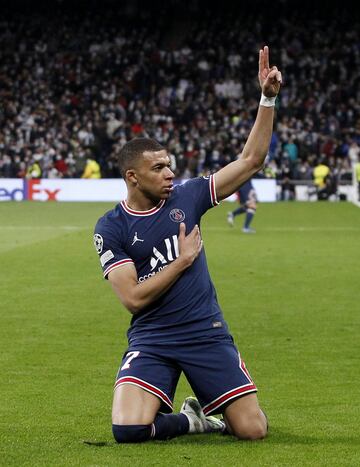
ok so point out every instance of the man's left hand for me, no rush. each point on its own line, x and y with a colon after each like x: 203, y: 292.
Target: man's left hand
x: 269, y: 77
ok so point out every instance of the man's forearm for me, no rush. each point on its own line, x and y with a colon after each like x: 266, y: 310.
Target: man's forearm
x: 251, y: 160
x: 258, y: 142
x: 146, y: 292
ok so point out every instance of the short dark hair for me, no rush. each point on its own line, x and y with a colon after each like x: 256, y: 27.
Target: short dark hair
x: 131, y: 152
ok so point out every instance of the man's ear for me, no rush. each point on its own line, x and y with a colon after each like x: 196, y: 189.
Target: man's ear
x: 130, y: 175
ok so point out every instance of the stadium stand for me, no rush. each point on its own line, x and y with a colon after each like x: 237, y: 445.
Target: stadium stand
x: 79, y: 80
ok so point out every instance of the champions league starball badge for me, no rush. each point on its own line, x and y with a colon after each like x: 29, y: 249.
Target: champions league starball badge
x: 98, y: 243
x: 177, y: 215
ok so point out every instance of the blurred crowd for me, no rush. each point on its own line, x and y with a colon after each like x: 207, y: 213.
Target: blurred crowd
x: 76, y: 85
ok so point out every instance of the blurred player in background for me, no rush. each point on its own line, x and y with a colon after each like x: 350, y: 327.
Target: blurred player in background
x: 321, y: 174
x: 247, y: 199
x: 151, y: 252
x: 357, y: 176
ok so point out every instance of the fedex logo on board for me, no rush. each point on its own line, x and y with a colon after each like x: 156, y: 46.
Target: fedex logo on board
x: 30, y: 190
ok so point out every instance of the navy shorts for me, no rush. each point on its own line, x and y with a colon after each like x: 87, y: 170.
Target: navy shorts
x: 214, y: 369
x: 247, y: 196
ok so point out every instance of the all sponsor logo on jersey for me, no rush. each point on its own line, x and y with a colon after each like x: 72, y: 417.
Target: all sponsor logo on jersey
x: 159, y: 261
x: 177, y: 215
x: 172, y: 252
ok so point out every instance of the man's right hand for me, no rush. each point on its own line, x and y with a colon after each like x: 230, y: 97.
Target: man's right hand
x: 135, y: 295
x: 189, y: 245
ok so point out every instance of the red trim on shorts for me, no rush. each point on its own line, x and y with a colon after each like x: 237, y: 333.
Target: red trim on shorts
x: 234, y: 393
x: 244, y: 369
x: 146, y: 386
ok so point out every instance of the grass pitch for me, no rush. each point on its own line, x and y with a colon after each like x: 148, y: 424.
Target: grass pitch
x: 290, y: 294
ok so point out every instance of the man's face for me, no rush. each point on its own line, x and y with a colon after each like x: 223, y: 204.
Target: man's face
x: 153, y: 175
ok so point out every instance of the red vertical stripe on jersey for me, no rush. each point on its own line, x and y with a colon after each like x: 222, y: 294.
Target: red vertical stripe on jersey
x: 214, y: 200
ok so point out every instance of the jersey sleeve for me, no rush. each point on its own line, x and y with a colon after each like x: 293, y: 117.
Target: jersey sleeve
x: 203, y: 193
x: 109, y: 246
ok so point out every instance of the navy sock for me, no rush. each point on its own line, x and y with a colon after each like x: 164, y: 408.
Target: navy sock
x: 131, y: 433
x: 238, y: 211
x: 170, y: 426
x: 249, y: 216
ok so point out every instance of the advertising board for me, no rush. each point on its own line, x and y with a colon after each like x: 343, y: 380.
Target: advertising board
x: 75, y: 189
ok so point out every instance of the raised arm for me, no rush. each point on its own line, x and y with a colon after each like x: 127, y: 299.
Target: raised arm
x: 251, y: 160
x: 136, y: 296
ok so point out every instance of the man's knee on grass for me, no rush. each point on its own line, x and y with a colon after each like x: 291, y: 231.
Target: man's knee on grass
x: 249, y: 428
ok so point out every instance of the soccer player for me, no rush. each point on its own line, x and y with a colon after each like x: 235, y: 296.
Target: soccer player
x: 247, y: 199
x: 151, y: 251
x: 357, y: 176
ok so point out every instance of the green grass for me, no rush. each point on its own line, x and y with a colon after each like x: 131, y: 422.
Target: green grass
x: 291, y: 297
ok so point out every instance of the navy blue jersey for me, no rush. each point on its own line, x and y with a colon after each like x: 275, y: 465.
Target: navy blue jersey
x: 149, y: 239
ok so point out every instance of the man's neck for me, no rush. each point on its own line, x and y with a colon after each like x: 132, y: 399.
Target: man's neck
x: 141, y: 204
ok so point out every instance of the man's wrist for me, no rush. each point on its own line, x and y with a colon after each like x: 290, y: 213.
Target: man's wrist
x: 267, y: 101
x: 182, y: 262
